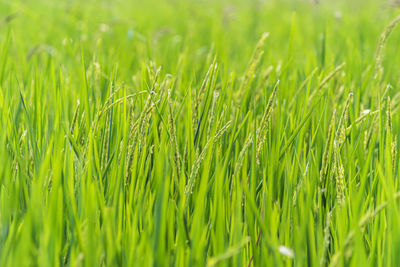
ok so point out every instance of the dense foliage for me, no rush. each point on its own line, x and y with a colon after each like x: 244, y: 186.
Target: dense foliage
x: 193, y: 133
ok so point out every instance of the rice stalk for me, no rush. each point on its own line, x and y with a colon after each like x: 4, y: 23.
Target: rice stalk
x: 263, y: 128
x: 380, y: 50
x: 327, y: 153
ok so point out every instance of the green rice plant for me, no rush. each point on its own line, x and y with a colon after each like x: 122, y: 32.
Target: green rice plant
x: 199, y: 133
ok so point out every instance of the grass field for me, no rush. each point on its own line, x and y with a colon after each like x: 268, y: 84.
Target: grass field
x: 199, y: 133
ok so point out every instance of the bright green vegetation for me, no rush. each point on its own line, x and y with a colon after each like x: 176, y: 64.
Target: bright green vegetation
x: 193, y: 133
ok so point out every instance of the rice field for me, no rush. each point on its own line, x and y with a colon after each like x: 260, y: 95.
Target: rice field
x: 199, y: 133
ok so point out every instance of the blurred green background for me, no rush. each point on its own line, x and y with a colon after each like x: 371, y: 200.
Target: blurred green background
x: 325, y: 32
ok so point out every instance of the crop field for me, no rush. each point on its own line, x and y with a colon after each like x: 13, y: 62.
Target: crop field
x: 199, y: 133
